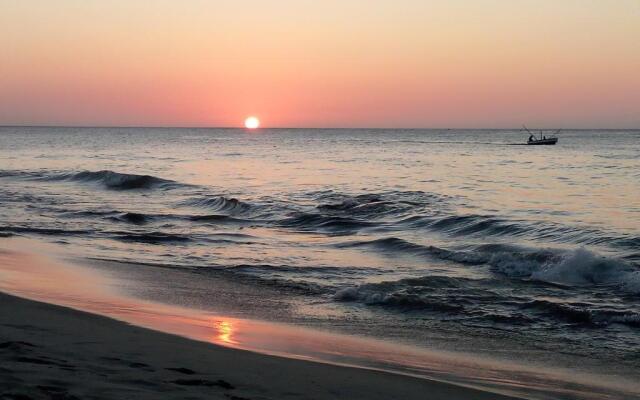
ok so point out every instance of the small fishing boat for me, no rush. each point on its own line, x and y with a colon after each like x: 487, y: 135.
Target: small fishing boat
x: 542, y: 140
x: 534, y: 141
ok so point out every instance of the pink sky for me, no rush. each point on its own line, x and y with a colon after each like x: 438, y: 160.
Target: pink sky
x: 303, y: 63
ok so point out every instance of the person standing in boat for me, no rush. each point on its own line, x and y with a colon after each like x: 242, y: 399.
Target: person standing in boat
x: 531, y: 137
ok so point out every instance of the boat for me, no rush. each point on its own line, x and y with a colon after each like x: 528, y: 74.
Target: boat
x: 542, y: 140
x: 534, y: 142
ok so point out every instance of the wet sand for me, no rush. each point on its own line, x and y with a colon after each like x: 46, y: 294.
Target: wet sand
x: 48, y: 351
x: 78, y: 335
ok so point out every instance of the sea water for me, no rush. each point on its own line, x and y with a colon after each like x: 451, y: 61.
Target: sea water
x: 461, y: 240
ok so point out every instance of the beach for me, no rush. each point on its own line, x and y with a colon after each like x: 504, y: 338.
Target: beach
x: 52, y: 352
x: 49, y: 351
x: 51, y: 347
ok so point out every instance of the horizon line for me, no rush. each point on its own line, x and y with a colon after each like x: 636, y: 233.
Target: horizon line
x: 289, y: 127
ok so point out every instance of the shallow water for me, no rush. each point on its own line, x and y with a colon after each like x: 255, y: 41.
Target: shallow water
x: 36, y: 271
x: 455, y: 240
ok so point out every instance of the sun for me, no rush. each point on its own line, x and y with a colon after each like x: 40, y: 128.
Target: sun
x: 252, y: 123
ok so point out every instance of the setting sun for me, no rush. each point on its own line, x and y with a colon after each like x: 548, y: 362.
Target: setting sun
x: 252, y: 123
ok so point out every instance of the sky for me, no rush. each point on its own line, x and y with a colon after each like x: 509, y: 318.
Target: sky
x: 330, y: 63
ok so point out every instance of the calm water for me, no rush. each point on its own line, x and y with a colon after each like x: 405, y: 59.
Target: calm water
x: 443, y: 239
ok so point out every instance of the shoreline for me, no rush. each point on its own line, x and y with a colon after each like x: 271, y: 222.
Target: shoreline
x: 35, y: 275
x: 51, y: 350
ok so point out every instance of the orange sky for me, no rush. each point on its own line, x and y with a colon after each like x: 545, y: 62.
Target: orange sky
x: 303, y: 63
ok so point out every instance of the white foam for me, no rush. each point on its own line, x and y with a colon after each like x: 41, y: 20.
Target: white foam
x: 579, y: 267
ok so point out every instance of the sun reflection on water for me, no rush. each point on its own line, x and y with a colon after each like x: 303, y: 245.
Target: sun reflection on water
x: 224, y: 330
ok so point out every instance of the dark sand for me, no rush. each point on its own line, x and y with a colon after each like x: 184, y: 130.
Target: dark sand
x: 52, y: 352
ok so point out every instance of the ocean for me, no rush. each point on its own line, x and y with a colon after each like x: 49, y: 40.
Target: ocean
x: 459, y: 240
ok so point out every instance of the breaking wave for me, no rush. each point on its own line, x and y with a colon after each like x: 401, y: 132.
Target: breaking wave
x: 311, y: 221
x: 219, y: 204
x: 481, y: 226
x: 376, y: 206
x: 578, y: 267
x: 108, y: 179
x: 115, y: 180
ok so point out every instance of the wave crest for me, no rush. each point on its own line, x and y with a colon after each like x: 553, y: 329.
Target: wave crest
x: 333, y: 223
x: 578, y: 267
x: 151, y: 237
x: 583, y: 314
x: 116, y: 180
x: 219, y: 204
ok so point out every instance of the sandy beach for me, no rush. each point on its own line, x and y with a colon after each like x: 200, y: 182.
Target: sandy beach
x: 49, y: 351
x: 52, y: 352
x: 67, y: 332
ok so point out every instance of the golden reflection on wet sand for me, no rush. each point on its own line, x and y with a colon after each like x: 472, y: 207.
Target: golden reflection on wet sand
x: 225, y: 331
